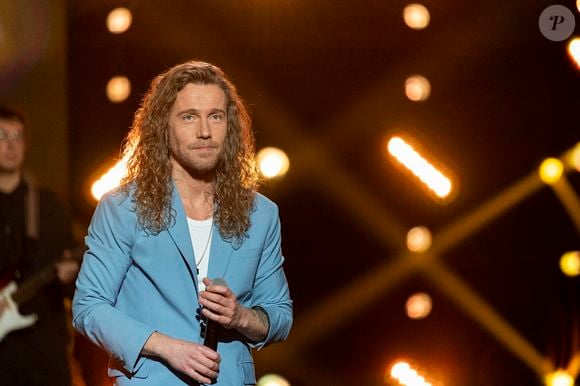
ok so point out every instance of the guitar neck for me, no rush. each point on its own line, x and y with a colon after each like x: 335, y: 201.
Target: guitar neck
x: 28, y: 289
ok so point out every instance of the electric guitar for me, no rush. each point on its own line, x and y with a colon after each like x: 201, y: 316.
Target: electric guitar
x: 14, y: 295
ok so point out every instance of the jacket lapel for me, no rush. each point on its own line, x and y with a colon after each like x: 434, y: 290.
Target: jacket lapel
x: 179, y: 232
x: 219, y: 255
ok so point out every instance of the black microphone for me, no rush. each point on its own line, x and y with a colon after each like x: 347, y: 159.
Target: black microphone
x: 212, y: 327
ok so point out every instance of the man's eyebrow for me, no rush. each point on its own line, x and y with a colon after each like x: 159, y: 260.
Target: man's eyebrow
x: 192, y: 110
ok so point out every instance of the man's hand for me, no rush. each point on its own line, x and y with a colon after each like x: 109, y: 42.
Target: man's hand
x: 67, y: 269
x: 221, y: 305
x: 192, y: 359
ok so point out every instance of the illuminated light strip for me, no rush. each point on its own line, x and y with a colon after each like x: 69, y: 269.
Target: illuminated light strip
x: 572, y: 158
x: 574, y: 365
x: 569, y: 200
x: 420, y: 167
x: 408, y: 376
x: 110, y: 180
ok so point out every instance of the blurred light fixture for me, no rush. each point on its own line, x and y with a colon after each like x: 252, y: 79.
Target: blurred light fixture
x: 419, y: 239
x: 574, y: 51
x: 399, y: 369
x: 118, y: 89
x: 272, y: 380
x: 420, y: 167
x: 416, y: 16
x: 578, y: 5
x: 573, y: 157
x: 110, y: 179
x: 119, y: 20
x: 418, y: 305
x: 559, y: 378
x: 417, y: 88
x: 406, y: 375
x: 570, y: 263
x: 272, y: 162
x: 551, y: 170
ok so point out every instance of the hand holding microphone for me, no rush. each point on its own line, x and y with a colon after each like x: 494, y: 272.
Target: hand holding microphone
x: 212, y: 327
x: 222, y: 310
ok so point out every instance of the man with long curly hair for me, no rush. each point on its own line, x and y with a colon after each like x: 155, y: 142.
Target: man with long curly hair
x: 186, y: 214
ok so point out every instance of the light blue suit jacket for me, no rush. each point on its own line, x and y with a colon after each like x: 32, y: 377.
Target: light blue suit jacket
x: 132, y: 283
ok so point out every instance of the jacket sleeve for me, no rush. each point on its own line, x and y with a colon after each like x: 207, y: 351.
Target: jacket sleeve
x: 106, y: 261
x: 271, y: 291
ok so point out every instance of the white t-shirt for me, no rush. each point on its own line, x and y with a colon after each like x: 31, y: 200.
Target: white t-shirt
x: 201, y: 234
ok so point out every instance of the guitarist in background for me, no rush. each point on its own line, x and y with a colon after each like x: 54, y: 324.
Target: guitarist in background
x: 35, y: 234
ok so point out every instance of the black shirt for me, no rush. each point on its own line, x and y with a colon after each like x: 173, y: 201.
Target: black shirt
x: 26, y: 256
x: 12, y: 229
x: 35, y: 355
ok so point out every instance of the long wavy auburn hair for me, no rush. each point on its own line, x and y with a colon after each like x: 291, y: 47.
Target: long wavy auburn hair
x: 149, y: 168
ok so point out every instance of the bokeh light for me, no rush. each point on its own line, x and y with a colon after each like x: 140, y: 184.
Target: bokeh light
x: 570, y: 263
x: 399, y: 368
x: 420, y: 167
x: 574, y: 50
x: 416, y: 16
x: 419, y: 239
x: 417, y: 88
x: 118, y: 89
x: 551, y: 170
x: 405, y: 375
x: 272, y: 162
x: 418, y: 305
x: 573, y: 157
x: 559, y: 378
x: 110, y: 180
x: 272, y: 380
x: 119, y: 20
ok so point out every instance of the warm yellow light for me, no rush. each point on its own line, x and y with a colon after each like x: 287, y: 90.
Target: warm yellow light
x: 272, y: 380
x: 570, y: 263
x: 420, y: 167
x: 406, y: 375
x: 110, y: 180
x: 573, y: 157
x: 417, y: 88
x: 551, y: 170
x: 272, y: 162
x: 418, y: 305
x: 574, y: 51
x: 559, y: 378
x: 416, y: 16
x: 419, y: 239
x: 118, y: 89
x: 119, y: 20
x: 399, y: 369
x: 578, y: 5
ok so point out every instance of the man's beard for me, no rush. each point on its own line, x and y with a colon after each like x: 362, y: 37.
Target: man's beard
x: 200, y: 167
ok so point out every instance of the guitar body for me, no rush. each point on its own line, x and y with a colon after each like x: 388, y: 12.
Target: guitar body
x: 10, y: 317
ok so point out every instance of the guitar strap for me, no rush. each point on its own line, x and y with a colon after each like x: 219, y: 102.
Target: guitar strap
x: 31, y: 208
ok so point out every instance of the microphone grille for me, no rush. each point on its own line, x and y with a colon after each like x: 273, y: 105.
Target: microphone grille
x: 219, y: 281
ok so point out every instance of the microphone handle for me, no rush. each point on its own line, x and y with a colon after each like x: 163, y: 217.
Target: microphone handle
x: 211, y: 335
x: 212, y: 328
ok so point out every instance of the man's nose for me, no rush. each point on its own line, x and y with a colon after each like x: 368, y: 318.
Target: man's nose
x: 11, y: 144
x: 204, y: 130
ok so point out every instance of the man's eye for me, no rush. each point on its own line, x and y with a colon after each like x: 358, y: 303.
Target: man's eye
x: 217, y: 117
x: 187, y: 117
